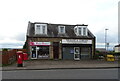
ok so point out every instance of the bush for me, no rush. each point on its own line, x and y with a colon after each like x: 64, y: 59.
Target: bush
x: 5, y: 49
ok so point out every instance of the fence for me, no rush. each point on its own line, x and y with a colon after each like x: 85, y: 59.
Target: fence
x: 8, y: 57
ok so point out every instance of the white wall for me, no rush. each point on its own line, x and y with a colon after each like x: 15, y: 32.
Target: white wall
x: 117, y: 49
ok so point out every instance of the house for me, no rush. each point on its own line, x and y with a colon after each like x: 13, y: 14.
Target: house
x: 59, y: 41
x: 117, y: 48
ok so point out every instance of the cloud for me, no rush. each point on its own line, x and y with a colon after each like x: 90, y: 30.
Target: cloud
x: 15, y: 41
x: 20, y: 36
x: 11, y: 43
x: 111, y: 37
x: 98, y: 14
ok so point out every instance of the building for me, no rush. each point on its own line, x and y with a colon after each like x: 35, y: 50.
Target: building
x: 59, y: 41
x: 117, y: 48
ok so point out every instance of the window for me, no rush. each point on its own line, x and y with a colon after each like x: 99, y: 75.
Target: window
x: 61, y: 29
x: 80, y: 30
x: 37, y: 29
x: 75, y: 30
x: 43, y: 52
x: 80, y: 33
x: 84, y: 31
x: 40, y: 29
x: 43, y: 28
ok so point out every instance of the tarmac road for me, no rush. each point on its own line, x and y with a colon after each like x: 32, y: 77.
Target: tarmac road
x: 62, y: 74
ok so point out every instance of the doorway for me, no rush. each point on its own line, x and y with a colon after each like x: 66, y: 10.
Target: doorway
x: 76, y: 53
x: 34, y: 52
x: 56, y: 50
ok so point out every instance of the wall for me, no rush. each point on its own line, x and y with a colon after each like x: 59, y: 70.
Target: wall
x: 51, y: 47
x: 117, y: 49
x: 8, y: 57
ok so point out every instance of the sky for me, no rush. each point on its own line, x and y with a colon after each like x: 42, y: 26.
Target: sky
x: 97, y: 14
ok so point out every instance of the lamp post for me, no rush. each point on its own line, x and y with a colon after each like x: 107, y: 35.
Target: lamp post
x: 106, y: 39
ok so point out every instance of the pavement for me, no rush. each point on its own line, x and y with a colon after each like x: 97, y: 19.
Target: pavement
x: 62, y: 64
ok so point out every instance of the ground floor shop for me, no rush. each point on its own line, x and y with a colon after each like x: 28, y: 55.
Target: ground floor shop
x: 45, y: 50
x: 66, y: 49
x: 77, y: 49
x: 76, y: 52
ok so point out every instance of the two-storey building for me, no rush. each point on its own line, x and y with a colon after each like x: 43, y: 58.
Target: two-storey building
x: 59, y: 41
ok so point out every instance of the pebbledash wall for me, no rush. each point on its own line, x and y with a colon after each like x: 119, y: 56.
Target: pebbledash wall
x: 59, y: 41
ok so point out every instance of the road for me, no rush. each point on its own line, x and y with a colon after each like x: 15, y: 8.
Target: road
x: 62, y: 74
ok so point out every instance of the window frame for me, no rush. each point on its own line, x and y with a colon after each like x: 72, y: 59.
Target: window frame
x: 59, y: 29
x: 41, y: 29
x: 79, y: 31
x: 82, y: 31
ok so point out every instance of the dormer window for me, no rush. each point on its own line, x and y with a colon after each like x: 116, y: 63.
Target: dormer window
x: 84, y: 31
x: 40, y: 28
x: 61, y: 29
x: 80, y: 30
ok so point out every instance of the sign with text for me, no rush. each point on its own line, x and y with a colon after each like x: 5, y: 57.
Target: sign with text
x: 39, y: 43
x: 76, y: 41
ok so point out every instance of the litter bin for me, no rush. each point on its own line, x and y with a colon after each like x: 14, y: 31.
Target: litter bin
x: 110, y: 58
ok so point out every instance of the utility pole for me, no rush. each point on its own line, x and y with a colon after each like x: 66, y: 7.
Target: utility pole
x: 106, y: 39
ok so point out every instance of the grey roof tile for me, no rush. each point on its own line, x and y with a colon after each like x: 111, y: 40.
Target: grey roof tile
x: 52, y: 31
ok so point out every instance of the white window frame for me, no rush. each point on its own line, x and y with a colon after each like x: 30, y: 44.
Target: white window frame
x: 79, y: 31
x: 75, y: 30
x: 85, y: 31
x: 41, y: 29
x: 59, y: 29
x: 82, y: 31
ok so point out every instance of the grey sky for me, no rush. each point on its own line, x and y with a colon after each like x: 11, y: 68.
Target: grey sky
x: 98, y: 14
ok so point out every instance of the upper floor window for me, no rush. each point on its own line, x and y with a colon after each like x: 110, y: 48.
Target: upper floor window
x: 40, y: 29
x: 61, y: 29
x: 75, y: 30
x: 84, y: 31
x: 80, y: 30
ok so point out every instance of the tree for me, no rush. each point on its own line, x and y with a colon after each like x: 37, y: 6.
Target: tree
x: 25, y: 45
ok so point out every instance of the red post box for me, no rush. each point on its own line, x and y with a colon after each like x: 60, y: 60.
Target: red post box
x: 25, y: 56
x: 20, y: 59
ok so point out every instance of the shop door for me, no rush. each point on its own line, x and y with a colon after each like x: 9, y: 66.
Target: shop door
x: 34, y: 52
x: 76, y: 53
x: 56, y: 50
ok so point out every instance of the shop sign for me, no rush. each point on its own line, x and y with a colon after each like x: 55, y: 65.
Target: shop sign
x: 39, y: 43
x: 76, y: 41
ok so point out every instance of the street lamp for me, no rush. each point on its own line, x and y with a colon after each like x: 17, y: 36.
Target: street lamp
x: 106, y: 39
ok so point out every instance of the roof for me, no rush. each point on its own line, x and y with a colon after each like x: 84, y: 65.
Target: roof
x: 117, y: 45
x: 52, y: 31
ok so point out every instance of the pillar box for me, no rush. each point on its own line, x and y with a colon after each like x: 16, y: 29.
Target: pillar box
x: 20, y: 59
x: 25, y: 56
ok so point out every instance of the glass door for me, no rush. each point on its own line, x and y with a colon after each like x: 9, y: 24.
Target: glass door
x: 34, y: 52
x: 76, y: 53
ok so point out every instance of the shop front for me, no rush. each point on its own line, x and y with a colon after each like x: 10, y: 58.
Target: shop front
x: 40, y: 50
x: 76, y: 49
